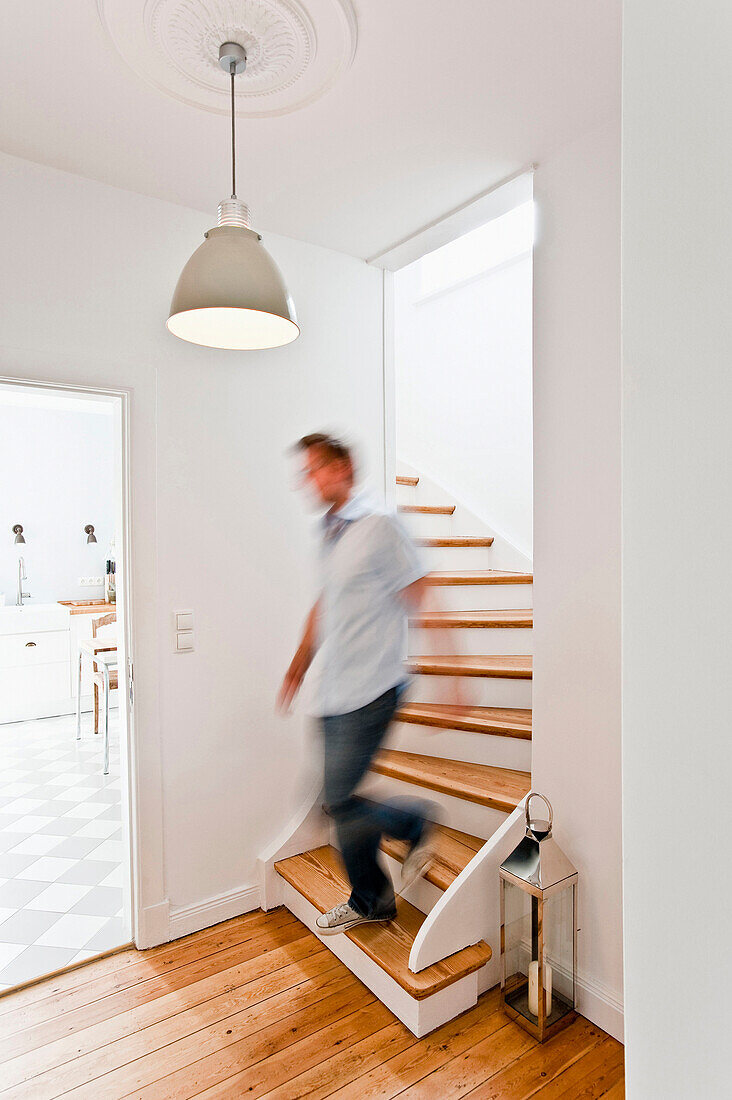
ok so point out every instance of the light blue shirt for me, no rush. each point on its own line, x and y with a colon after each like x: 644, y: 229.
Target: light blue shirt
x: 367, y: 559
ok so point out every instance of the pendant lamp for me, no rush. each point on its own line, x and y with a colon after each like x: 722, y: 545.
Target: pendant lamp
x: 231, y: 293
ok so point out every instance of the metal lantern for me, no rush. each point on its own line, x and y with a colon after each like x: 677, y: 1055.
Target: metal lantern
x: 538, y: 930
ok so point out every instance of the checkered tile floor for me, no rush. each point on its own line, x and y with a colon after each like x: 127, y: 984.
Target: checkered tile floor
x: 63, y: 852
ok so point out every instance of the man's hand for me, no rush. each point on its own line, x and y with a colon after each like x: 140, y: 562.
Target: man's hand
x: 293, y: 678
x: 299, y: 664
x: 414, y: 594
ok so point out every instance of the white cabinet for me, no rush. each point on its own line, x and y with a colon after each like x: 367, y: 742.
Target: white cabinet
x: 33, y: 648
x: 39, y: 661
x: 34, y: 662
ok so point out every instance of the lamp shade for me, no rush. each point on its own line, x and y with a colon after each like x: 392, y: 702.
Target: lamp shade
x: 231, y: 294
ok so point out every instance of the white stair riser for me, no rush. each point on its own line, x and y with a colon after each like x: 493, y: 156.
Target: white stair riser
x: 475, y: 748
x: 478, y: 597
x: 420, y: 1017
x: 458, y: 813
x: 472, y: 691
x: 421, y: 493
x: 429, y: 524
x: 474, y: 640
x: 423, y: 895
x: 457, y: 557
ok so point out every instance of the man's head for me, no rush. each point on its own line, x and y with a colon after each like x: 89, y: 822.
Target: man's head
x: 327, y: 467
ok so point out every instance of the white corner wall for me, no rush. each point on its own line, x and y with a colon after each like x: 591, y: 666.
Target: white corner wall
x: 86, y: 275
x: 677, y: 532
x: 576, y: 701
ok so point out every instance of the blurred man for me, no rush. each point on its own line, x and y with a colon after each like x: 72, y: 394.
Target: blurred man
x: 370, y: 579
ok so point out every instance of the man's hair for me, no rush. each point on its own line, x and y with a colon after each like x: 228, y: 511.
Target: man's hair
x: 332, y: 449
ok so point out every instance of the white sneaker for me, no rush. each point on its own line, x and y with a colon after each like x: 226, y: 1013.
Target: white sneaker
x: 344, y: 917
x: 421, y: 857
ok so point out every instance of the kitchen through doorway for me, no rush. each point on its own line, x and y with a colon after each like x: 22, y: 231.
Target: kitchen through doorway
x: 66, y: 890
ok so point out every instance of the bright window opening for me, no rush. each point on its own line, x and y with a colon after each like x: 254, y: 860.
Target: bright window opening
x: 489, y: 246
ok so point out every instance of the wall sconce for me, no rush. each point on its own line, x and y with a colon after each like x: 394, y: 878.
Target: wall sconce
x: 18, y: 532
x: 89, y: 532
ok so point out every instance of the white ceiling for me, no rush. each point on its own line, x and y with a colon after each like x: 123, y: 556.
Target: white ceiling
x: 441, y: 101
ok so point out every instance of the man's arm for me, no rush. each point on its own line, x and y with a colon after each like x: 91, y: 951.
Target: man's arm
x: 300, y: 662
x: 414, y: 594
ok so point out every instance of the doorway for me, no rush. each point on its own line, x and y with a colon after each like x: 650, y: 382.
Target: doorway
x: 66, y: 842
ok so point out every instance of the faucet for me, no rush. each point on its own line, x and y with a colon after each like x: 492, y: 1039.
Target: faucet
x: 22, y: 577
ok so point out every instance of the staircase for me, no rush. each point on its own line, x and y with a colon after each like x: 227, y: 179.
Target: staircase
x: 463, y: 741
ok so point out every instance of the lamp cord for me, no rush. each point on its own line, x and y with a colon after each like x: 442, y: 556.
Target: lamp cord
x: 232, y: 70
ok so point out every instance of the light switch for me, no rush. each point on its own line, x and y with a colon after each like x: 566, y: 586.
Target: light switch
x: 184, y: 620
x: 184, y: 641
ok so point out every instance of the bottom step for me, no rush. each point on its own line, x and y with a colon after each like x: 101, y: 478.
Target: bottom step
x: 320, y: 877
x: 322, y: 870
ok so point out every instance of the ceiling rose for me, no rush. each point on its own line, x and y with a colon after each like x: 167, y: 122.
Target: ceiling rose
x: 294, y: 53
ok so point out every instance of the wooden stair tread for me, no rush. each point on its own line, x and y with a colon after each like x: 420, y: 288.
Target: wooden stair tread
x: 320, y: 877
x: 512, y: 668
x: 453, y: 852
x: 502, y: 617
x: 500, y: 788
x: 477, y: 576
x: 455, y: 540
x: 427, y: 509
x: 512, y: 722
x: 403, y: 479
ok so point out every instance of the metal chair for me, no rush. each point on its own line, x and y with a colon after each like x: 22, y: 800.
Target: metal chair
x: 102, y: 652
x: 98, y: 676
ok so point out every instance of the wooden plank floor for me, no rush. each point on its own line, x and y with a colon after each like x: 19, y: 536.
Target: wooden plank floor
x: 256, y: 1006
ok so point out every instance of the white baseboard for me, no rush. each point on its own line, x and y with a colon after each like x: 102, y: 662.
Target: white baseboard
x: 601, y: 1005
x: 202, y: 914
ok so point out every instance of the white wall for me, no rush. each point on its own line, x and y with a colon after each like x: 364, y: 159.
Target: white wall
x: 576, y: 701
x: 677, y: 599
x: 86, y: 275
x: 57, y: 470
x: 463, y: 392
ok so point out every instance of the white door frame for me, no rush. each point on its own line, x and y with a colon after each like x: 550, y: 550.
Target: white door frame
x: 125, y: 627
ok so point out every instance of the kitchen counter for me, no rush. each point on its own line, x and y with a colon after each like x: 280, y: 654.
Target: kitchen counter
x: 87, y: 607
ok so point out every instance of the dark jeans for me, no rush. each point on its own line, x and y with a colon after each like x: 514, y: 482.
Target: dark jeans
x: 351, y: 740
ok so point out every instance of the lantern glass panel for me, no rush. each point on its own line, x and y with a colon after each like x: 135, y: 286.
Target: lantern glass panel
x: 524, y: 917
x: 517, y: 949
x: 559, y: 950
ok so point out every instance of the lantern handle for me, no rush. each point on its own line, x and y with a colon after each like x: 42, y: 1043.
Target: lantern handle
x: 535, y: 794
